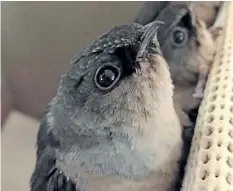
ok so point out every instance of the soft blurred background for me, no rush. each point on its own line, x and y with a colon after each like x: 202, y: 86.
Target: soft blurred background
x: 37, y: 41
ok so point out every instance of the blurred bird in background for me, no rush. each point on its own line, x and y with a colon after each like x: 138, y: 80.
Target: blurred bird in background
x: 187, y: 43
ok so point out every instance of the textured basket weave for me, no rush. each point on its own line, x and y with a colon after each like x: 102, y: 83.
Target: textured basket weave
x: 210, y: 163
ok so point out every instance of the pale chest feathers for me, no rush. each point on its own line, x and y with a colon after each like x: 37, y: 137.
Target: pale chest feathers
x: 127, y: 162
x: 144, y: 152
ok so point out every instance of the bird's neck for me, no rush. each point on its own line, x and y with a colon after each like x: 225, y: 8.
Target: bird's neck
x: 132, y: 157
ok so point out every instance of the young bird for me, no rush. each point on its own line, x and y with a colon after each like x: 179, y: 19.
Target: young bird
x: 187, y: 43
x: 112, y: 125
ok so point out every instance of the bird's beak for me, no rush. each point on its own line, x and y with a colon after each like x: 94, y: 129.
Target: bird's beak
x: 149, y: 38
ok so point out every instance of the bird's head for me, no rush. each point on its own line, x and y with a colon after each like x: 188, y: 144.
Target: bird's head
x: 119, y: 86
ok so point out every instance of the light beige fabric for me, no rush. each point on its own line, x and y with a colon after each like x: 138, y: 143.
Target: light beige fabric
x: 210, y: 164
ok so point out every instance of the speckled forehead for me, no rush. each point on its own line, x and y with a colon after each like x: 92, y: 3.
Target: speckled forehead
x: 118, y: 36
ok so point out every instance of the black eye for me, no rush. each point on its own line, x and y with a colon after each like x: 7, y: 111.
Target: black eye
x: 107, y: 76
x: 179, y: 36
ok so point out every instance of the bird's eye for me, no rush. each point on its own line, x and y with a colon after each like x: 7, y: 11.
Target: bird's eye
x: 107, y: 76
x: 179, y: 36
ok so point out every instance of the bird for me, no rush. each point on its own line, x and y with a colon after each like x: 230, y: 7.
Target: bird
x: 187, y: 42
x: 112, y: 124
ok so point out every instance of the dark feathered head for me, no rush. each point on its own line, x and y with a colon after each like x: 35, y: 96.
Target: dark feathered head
x: 119, y: 86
